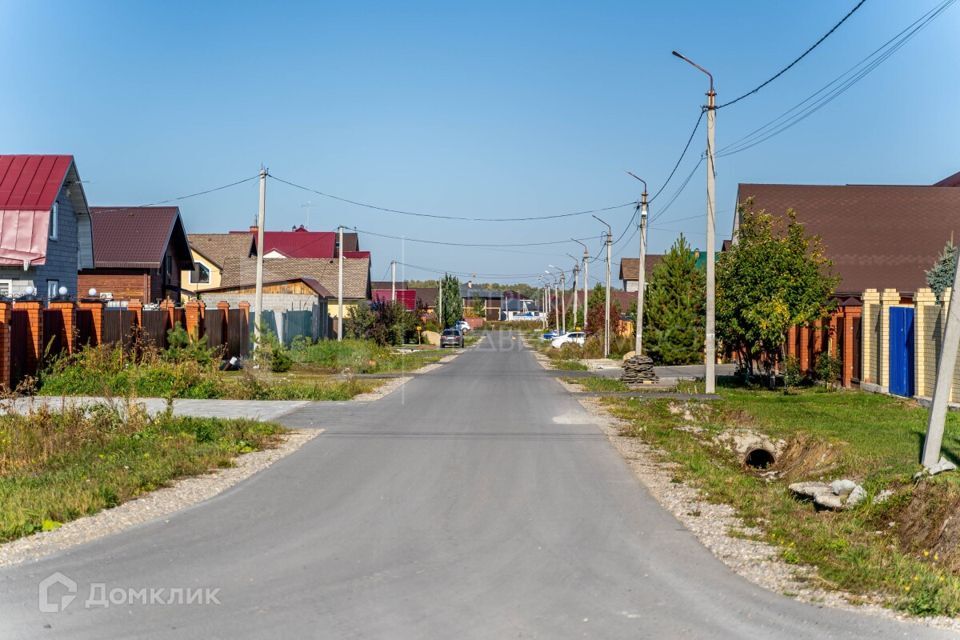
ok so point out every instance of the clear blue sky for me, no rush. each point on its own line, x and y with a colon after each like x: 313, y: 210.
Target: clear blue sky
x: 488, y: 109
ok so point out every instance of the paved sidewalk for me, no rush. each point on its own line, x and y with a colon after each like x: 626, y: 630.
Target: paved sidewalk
x: 262, y: 410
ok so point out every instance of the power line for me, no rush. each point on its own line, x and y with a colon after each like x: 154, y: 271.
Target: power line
x: 179, y: 198
x: 798, y: 59
x: 469, y: 273
x: 436, y: 216
x: 467, y: 244
x: 835, y: 87
x: 682, y: 155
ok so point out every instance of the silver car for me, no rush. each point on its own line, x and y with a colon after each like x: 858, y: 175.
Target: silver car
x: 451, y: 338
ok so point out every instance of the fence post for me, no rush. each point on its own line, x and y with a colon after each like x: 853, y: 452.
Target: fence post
x: 136, y: 307
x: 888, y: 298
x: 95, y: 307
x: 792, y: 342
x: 34, y: 311
x: 192, y: 317
x: 804, y: 348
x: 6, y: 311
x: 68, y: 311
x: 224, y: 307
x: 832, y: 346
x: 869, y: 330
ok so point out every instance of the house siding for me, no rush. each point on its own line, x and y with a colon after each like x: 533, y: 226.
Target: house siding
x: 122, y: 284
x: 62, y: 262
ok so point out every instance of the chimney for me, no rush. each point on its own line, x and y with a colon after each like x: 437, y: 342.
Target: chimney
x: 253, y: 229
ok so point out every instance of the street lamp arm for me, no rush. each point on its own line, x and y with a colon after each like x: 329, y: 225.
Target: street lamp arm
x: 691, y: 62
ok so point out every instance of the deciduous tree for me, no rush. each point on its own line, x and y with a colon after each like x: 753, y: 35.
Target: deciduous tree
x: 772, y: 278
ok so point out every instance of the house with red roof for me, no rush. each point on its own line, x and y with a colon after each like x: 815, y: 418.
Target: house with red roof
x: 139, y: 254
x: 45, y: 236
x: 301, y: 243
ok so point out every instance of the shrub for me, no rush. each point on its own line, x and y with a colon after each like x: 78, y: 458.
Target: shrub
x: 827, y: 368
x: 792, y: 376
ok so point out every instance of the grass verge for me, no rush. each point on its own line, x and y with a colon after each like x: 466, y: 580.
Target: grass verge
x: 904, y: 549
x: 59, y: 466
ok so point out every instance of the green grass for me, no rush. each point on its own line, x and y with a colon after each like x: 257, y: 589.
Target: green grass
x: 363, y: 356
x: 872, y: 439
x: 112, y: 372
x: 59, y: 466
x: 596, y: 384
x: 569, y: 365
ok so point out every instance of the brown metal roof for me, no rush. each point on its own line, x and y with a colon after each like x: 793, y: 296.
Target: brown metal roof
x: 877, y: 236
x: 242, y: 272
x: 950, y: 181
x: 137, y: 237
x: 629, y: 266
x: 219, y: 247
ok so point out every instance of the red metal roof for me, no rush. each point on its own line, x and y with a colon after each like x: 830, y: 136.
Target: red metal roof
x: 137, y: 237
x: 406, y: 296
x: 301, y: 243
x: 31, y: 182
x: 29, y: 185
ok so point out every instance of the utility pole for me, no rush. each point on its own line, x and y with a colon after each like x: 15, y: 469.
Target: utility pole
x: 642, y: 266
x: 576, y: 294
x: 258, y: 296
x: 340, y: 287
x: 945, y: 367
x: 710, y: 346
x: 586, y: 278
x: 440, y: 304
x: 606, y: 311
x: 563, y: 301
x: 393, y: 281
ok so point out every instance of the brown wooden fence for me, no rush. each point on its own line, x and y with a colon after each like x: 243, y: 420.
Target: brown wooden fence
x: 36, y: 333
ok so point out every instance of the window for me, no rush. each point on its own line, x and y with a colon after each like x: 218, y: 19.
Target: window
x: 53, y: 287
x: 54, y: 220
x: 6, y: 287
x: 200, y: 275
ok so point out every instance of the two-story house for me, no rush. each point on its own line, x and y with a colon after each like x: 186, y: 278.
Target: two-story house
x: 45, y: 236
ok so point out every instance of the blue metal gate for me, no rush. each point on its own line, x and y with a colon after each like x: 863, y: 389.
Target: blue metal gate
x: 901, y: 351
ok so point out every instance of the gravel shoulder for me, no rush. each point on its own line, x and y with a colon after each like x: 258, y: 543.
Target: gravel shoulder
x: 183, y: 493
x: 719, y: 529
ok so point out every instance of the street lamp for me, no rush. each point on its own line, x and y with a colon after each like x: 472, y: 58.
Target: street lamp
x: 710, y: 346
x: 606, y: 311
x: 642, y: 265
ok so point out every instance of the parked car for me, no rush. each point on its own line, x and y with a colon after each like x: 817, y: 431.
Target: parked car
x: 451, y: 338
x: 550, y: 335
x: 574, y: 337
x: 463, y: 326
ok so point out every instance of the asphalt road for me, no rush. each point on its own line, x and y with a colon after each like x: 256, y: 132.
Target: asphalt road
x: 478, y: 502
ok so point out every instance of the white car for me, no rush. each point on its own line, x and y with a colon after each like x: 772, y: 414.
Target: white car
x: 574, y: 337
x: 462, y: 325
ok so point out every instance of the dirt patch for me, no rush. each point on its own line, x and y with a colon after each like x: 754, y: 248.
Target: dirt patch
x: 930, y: 522
x: 804, y: 456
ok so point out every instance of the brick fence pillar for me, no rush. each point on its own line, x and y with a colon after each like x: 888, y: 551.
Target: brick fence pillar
x: 34, y: 311
x: 68, y: 310
x: 93, y: 306
x: 135, y: 306
x: 870, y: 331
x: 6, y: 309
x: 835, y: 319
x: 245, y: 307
x: 193, y: 315
x: 804, y: 348
x: 888, y: 298
x: 792, y: 342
